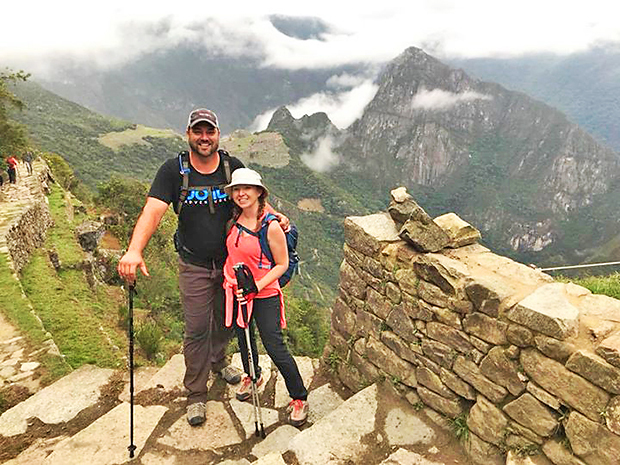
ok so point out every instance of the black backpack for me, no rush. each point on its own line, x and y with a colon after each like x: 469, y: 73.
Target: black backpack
x: 184, y: 170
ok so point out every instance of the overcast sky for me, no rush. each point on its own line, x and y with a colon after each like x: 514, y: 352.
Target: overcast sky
x: 33, y: 33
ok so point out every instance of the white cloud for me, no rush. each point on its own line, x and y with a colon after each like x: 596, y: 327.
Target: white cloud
x: 441, y: 100
x: 342, y: 108
x: 34, y: 35
x: 323, y: 158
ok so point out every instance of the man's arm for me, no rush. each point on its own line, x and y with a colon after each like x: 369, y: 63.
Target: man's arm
x: 146, y: 225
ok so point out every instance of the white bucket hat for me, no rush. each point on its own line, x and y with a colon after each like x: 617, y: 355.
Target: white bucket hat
x: 245, y: 177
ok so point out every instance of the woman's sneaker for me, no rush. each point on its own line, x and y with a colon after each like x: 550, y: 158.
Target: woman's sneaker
x: 245, y: 391
x: 298, y: 412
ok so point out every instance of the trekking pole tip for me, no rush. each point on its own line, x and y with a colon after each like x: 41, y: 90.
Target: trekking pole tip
x: 131, y: 449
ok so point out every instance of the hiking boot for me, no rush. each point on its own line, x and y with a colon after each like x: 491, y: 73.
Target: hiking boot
x: 196, y: 413
x: 298, y: 412
x: 231, y: 374
x: 245, y: 391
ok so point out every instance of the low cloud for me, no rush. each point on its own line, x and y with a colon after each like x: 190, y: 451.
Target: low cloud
x: 342, y: 108
x: 442, y: 100
x: 323, y: 158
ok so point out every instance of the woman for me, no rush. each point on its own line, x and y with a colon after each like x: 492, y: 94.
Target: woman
x: 266, y: 307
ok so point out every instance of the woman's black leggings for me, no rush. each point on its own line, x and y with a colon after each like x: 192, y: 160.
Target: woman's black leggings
x: 266, y: 314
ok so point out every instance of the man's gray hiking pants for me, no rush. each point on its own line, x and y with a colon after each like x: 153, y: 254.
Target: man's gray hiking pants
x: 206, y: 337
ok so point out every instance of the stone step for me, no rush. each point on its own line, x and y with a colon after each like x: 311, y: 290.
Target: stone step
x: 60, y: 402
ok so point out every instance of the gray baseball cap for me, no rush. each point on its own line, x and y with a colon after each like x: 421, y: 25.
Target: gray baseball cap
x: 202, y: 114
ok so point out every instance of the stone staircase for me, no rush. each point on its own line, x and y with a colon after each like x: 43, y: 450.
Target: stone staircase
x: 84, y: 419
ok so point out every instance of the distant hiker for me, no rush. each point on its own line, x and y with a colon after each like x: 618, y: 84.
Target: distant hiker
x: 266, y: 306
x: 12, y: 169
x: 28, y: 160
x: 194, y: 183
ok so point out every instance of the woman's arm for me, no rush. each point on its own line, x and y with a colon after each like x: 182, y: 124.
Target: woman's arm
x: 277, y: 245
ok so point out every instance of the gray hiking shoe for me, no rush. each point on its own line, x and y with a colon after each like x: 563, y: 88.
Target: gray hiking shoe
x: 231, y: 374
x: 196, y: 413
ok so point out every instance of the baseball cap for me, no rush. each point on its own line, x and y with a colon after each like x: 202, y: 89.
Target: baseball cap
x: 202, y: 114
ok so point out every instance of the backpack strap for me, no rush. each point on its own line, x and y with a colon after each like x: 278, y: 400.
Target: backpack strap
x: 263, y: 240
x: 184, y: 171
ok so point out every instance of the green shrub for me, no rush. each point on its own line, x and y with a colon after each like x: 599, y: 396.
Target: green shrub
x: 149, y: 337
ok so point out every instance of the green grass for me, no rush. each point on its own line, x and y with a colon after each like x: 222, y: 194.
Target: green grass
x: 115, y: 140
x: 16, y: 309
x: 79, y: 318
x: 605, y: 285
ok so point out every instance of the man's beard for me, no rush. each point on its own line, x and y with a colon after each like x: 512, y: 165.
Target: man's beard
x: 200, y: 152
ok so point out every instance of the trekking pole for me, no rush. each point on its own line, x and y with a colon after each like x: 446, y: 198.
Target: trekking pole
x: 132, y: 291
x: 240, y: 274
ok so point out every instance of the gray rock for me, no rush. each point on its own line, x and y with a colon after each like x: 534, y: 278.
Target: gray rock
x: 433, y: 382
x: 89, y: 234
x: 552, y: 348
x: 244, y: 411
x: 57, y: 403
x: 519, y: 336
x: 450, y: 408
x: 487, y: 293
x: 595, y: 369
x: 432, y: 294
x: 88, y: 447
x: 514, y: 458
x: 405, y: 457
x: 591, y: 441
x: 351, y: 281
x: 469, y: 372
x: 424, y: 237
x: 483, y: 453
x: 612, y: 415
x: 452, y: 337
x: 335, y: 438
x: 543, y: 396
x: 547, y: 310
x: 486, y: 328
x: 570, y: 388
x: 368, y: 234
x: 457, y: 385
x: 442, y: 271
x: 322, y: 401
x: 500, y: 369
x: 276, y: 441
x: 559, y: 454
x: 343, y: 319
x: 402, y: 208
x: 379, y: 354
x: 440, y: 353
x: 487, y: 421
x: 460, y: 232
x: 403, y: 427
x: 401, y: 347
x: 609, y: 349
x: 533, y: 414
x: 377, y: 303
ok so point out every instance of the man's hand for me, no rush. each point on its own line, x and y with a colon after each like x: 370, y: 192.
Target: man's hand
x: 285, y: 223
x: 129, y: 263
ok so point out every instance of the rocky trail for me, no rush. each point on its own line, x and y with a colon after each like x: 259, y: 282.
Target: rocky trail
x: 84, y: 418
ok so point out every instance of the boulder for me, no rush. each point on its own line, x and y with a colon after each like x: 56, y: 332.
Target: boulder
x: 88, y: 234
x: 460, y: 232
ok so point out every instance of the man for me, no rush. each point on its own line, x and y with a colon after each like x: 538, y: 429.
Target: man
x: 12, y: 169
x: 28, y: 160
x: 200, y: 242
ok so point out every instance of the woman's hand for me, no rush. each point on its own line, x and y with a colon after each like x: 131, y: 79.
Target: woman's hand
x: 240, y: 297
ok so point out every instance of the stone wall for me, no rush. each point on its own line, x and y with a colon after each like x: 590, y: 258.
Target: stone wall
x: 28, y: 227
x: 532, y: 364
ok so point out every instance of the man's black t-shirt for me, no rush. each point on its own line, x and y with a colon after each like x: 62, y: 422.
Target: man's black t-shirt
x: 201, y: 233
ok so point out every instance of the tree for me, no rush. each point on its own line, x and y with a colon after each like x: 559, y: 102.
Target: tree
x: 12, y: 134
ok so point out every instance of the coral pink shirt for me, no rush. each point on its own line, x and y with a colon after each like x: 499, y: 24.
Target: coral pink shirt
x: 244, y: 248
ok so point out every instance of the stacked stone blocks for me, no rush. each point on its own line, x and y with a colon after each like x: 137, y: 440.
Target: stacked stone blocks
x: 533, y: 364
